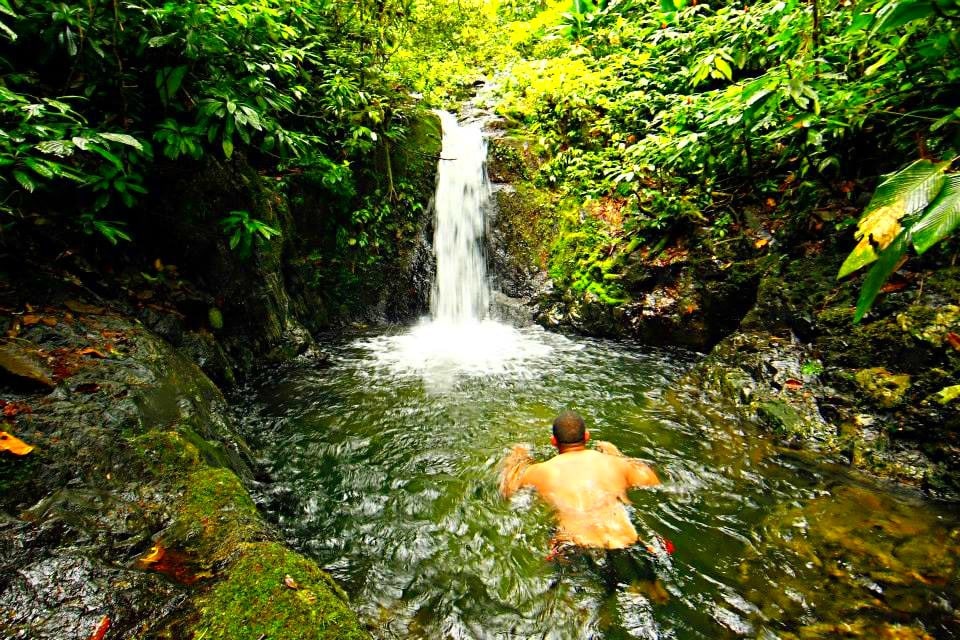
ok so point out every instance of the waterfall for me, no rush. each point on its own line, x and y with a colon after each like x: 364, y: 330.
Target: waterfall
x: 459, y: 339
x: 461, y: 292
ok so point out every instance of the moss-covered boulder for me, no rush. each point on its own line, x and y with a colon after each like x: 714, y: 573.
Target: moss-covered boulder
x: 132, y: 504
x: 272, y: 592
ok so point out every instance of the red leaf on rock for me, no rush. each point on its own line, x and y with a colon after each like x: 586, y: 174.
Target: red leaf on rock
x: 893, y: 286
x: 954, y: 340
x: 102, y: 629
x: 11, y: 409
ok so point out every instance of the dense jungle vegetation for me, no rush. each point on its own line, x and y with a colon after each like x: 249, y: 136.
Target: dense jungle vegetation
x: 666, y: 116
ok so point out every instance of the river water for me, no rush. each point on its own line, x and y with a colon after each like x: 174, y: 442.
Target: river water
x: 383, y: 465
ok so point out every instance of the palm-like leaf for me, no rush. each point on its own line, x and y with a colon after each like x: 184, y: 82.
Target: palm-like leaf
x: 941, y: 217
x: 902, y: 194
x: 887, y: 263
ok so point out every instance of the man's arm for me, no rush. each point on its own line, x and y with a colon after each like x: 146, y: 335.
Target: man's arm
x: 639, y: 474
x: 514, y: 469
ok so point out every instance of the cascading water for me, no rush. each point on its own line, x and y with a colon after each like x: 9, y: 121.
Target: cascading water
x: 461, y: 293
x: 459, y: 338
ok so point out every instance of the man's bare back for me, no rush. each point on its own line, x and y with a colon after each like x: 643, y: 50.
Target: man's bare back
x: 587, y: 488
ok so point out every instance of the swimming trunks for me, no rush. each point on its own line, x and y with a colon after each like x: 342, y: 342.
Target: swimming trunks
x: 616, y: 567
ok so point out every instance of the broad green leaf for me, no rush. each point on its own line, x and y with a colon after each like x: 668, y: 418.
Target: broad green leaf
x: 106, y: 155
x: 227, y: 147
x: 159, y: 41
x: 862, y: 255
x: 940, y: 218
x: 39, y: 167
x: 886, y: 264
x: 884, y: 59
x: 8, y: 32
x: 896, y: 14
x: 723, y: 67
x: 25, y: 181
x: 168, y: 81
x: 61, y: 148
x: 901, y: 194
x: 70, y: 40
x: 954, y: 115
x: 123, y: 138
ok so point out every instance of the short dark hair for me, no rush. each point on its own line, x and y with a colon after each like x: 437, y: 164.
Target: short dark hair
x: 569, y: 428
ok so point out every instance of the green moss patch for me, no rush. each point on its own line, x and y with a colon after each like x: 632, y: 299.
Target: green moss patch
x: 215, y: 516
x: 882, y: 387
x: 272, y: 592
x: 165, y: 450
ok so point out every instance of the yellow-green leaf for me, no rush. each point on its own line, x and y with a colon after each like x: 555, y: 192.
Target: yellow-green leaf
x: 862, y: 255
x: 902, y: 194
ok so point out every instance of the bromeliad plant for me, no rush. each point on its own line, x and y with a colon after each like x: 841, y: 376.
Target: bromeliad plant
x: 918, y: 205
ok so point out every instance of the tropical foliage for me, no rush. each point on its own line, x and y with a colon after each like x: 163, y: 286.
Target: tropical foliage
x: 918, y: 205
x: 681, y: 108
x: 93, y: 95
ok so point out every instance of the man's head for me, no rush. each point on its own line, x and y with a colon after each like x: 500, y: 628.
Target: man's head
x: 569, y: 429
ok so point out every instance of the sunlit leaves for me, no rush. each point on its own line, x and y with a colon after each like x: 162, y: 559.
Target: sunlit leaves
x: 901, y: 194
x: 940, y: 218
x: 920, y: 205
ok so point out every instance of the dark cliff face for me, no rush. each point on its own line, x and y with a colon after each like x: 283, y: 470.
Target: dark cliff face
x: 230, y: 312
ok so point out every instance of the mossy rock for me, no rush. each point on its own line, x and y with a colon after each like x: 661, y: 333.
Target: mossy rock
x: 882, y: 387
x: 166, y: 450
x: 214, y: 517
x: 272, y: 592
x: 781, y: 417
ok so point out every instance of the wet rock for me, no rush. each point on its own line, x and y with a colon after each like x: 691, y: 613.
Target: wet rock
x: 67, y: 595
x: 882, y: 387
x: 868, y: 563
x: 135, y: 450
x: 760, y: 376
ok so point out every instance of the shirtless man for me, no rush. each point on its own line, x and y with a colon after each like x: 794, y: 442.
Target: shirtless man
x: 587, y: 488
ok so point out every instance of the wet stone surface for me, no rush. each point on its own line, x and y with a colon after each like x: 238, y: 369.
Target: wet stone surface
x: 864, y: 565
x: 132, y: 501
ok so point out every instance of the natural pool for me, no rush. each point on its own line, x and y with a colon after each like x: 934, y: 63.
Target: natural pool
x: 384, y: 462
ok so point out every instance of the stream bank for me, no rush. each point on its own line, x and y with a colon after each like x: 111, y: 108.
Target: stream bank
x: 132, y: 512
x: 764, y: 303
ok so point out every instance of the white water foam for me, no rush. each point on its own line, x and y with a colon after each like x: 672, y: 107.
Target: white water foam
x: 460, y: 339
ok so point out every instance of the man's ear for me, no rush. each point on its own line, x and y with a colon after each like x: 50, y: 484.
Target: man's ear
x: 586, y: 436
x: 553, y: 441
